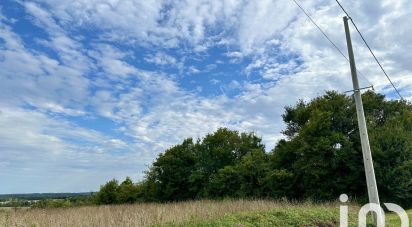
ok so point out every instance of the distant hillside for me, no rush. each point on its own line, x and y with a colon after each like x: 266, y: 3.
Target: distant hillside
x: 40, y: 196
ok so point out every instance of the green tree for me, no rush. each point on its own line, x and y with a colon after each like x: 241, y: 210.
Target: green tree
x: 401, y: 185
x: 391, y: 140
x: 225, y: 183
x: 243, y: 179
x: 321, y: 149
x: 108, y: 193
x: 127, y: 192
x: 168, y: 178
x: 190, y: 170
x: 252, y: 171
x: 321, y: 156
x: 218, y: 150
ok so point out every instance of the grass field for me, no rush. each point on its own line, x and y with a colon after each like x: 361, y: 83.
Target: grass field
x: 394, y: 220
x: 195, y: 213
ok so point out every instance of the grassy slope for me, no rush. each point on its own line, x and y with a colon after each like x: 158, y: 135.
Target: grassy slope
x: 292, y: 216
x: 283, y: 217
x: 193, y: 213
x: 394, y: 220
x: 144, y: 214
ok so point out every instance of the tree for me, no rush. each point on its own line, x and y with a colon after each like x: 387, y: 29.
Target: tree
x: 245, y: 179
x: 401, y: 184
x: 391, y: 140
x: 189, y: 170
x: 319, y: 158
x: 320, y: 150
x: 225, y: 183
x: 108, y: 193
x: 127, y: 192
x: 322, y: 156
x: 252, y: 171
x: 168, y: 178
x: 218, y: 150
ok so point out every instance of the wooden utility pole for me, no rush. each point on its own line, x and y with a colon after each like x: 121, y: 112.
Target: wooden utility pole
x: 363, y: 131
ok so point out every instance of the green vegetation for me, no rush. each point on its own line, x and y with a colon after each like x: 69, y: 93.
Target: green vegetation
x: 319, y: 159
x: 67, y: 202
x: 13, y: 202
x: 47, y: 200
x: 40, y: 196
x: 200, y: 213
x: 113, y: 193
x: 393, y: 220
x: 292, y: 216
x: 298, y: 215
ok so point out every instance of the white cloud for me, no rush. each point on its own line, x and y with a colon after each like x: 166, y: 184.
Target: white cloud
x: 30, y: 77
x: 94, y: 77
x: 234, y: 54
x: 262, y: 21
x: 68, y: 49
x: 161, y: 58
x: 214, y: 81
x: 41, y: 147
x: 111, y: 61
x: 193, y: 70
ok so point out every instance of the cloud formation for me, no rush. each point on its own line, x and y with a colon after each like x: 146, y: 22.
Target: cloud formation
x: 88, y: 86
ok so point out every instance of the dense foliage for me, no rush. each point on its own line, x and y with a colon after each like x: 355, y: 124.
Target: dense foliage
x: 320, y: 158
x: 113, y: 192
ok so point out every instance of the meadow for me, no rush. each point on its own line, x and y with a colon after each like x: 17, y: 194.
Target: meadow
x: 191, y: 213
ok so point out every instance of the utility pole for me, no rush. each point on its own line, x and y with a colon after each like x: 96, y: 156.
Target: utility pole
x: 363, y: 131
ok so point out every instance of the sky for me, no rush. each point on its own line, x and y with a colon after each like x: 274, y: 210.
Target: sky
x: 92, y: 90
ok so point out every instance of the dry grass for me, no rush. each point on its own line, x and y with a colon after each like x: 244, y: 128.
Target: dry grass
x: 148, y: 214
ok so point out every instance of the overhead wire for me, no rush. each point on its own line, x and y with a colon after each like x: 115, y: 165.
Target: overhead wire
x: 370, y: 50
x: 327, y: 37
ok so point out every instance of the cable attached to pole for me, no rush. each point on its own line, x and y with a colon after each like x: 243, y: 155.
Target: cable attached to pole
x: 370, y: 50
x: 327, y: 37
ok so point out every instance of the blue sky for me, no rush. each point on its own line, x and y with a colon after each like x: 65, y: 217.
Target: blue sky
x: 96, y: 89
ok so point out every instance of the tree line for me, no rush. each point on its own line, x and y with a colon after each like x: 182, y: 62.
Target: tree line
x: 319, y: 158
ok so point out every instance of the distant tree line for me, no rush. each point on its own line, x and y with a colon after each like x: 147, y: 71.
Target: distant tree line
x: 49, y: 200
x: 319, y: 158
x: 64, y: 202
x: 40, y: 196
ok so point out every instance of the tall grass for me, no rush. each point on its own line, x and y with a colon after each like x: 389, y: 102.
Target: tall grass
x: 145, y: 214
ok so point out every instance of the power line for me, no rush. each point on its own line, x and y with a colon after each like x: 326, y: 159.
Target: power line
x: 370, y: 50
x: 327, y: 37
